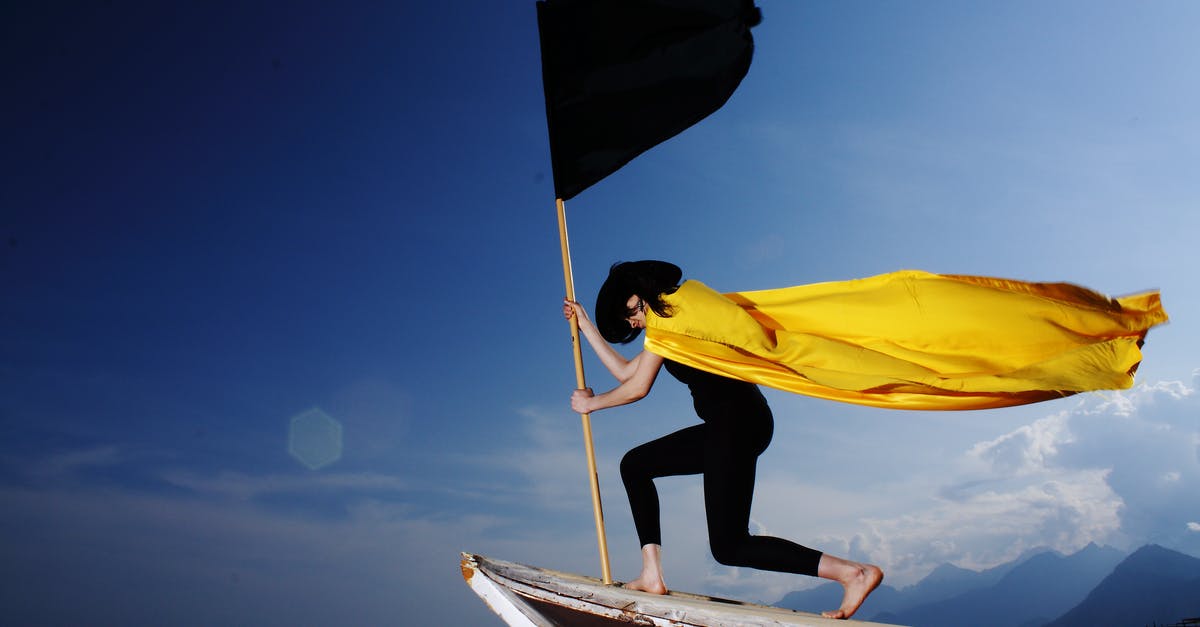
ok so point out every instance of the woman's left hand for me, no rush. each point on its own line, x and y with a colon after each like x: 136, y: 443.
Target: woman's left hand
x: 580, y: 400
x: 572, y: 309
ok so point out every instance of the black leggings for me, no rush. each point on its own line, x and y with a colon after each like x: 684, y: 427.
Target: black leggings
x: 726, y: 453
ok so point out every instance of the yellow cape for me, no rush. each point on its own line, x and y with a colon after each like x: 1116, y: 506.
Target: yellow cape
x: 912, y: 339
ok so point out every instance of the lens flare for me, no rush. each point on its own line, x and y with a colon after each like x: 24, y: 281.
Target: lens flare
x: 315, y: 439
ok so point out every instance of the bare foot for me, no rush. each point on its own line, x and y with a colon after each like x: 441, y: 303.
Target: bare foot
x: 651, y: 579
x: 653, y: 586
x: 859, y: 582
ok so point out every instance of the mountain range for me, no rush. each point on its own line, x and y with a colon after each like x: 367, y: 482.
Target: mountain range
x: 1094, y: 586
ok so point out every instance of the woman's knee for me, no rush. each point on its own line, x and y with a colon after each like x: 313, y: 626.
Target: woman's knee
x: 633, y: 464
x: 728, y: 550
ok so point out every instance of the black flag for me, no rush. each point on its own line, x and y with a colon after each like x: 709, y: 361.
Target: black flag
x: 622, y: 76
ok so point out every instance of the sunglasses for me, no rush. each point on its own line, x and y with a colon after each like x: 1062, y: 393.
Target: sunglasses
x: 640, y: 307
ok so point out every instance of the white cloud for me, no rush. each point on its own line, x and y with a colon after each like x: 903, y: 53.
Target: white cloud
x: 1103, y: 470
x: 1029, y: 449
x: 166, y: 559
x: 69, y: 463
x: 1117, y: 468
x: 996, y: 523
x: 242, y: 486
x: 549, y: 471
x: 1127, y: 403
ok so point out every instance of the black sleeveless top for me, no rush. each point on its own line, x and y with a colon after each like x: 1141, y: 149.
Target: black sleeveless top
x: 716, y: 397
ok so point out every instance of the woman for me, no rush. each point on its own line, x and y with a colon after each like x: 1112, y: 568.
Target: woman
x: 736, y: 429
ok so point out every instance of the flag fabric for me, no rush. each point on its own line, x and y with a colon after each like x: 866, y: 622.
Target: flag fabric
x: 622, y: 76
x: 911, y: 339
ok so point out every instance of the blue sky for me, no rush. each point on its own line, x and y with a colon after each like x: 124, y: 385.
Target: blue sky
x: 217, y: 218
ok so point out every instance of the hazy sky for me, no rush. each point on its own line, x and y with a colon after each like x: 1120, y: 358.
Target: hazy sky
x: 221, y: 219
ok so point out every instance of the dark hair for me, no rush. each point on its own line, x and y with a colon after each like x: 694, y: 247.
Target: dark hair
x: 650, y: 280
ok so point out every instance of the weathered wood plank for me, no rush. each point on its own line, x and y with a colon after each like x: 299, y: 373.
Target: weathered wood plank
x: 558, y: 598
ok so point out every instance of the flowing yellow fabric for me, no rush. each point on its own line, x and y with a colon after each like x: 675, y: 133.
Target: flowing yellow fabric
x: 912, y: 339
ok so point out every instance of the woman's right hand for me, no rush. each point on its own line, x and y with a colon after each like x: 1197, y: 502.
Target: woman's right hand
x: 580, y: 400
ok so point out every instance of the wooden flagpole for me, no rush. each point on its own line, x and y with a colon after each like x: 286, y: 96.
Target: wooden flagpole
x: 597, y: 508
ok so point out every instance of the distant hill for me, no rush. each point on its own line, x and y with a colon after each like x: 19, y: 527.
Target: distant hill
x: 1026, y: 592
x: 948, y: 581
x: 1154, y: 585
x: 945, y: 582
x: 1032, y: 593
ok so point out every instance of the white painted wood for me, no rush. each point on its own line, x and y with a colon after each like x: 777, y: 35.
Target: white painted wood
x: 504, y: 603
